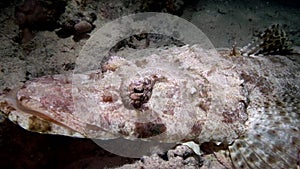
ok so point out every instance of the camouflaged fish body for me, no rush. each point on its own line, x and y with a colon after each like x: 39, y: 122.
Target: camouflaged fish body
x: 250, y: 105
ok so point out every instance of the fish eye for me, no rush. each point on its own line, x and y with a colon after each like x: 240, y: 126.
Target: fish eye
x: 138, y: 90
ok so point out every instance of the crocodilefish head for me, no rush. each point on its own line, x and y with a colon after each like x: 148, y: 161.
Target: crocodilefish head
x: 166, y: 97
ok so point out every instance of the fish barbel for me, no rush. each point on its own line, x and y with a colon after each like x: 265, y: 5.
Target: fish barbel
x: 250, y: 105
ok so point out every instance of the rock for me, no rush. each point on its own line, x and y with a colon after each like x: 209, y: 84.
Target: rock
x: 83, y: 27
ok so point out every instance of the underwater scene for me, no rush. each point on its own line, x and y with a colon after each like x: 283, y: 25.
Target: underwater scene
x: 193, y: 84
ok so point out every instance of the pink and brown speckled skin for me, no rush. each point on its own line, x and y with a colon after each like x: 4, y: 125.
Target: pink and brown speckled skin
x: 181, y: 104
x: 240, y: 102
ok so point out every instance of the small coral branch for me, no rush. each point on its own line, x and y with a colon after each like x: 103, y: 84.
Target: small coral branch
x: 35, y: 15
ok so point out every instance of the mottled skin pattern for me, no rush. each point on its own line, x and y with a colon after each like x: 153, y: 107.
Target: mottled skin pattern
x: 273, y: 138
x: 247, y: 105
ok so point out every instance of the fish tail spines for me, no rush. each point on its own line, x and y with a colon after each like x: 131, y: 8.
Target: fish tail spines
x: 273, y: 40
